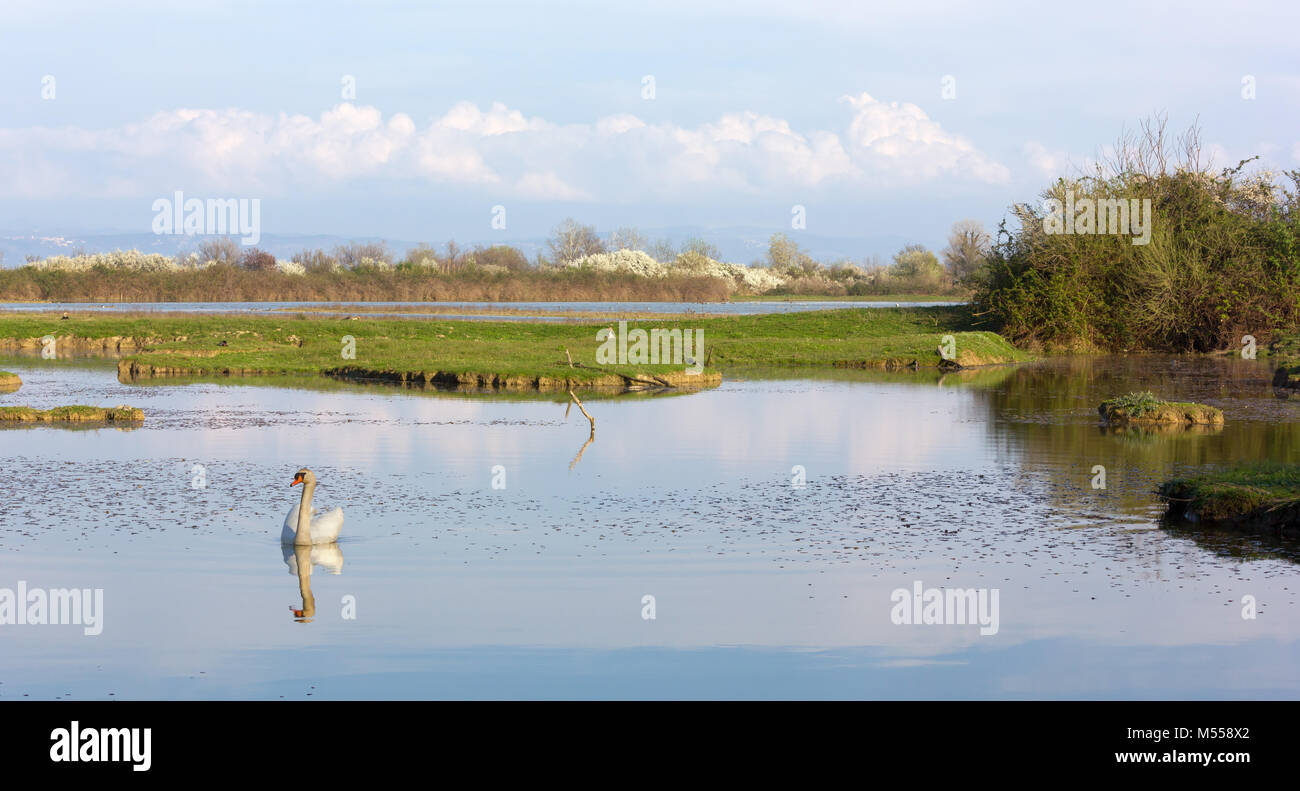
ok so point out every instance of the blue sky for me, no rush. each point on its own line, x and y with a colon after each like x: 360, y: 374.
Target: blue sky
x: 540, y: 108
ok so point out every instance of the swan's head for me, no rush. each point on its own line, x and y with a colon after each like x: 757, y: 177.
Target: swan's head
x: 304, y: 476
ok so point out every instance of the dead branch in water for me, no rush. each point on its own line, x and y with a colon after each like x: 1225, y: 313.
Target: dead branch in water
x: 590, y: 437
x: 589, y: 418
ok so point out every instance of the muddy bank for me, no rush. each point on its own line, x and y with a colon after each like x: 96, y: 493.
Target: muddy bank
x: 111, y: 345
x: 960, y: 361
x: 1278, y: 518
x: 72, y: 414
x: 129, y: 371
x: 9, y: 383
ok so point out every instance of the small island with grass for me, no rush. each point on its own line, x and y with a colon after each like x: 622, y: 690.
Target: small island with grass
x: 72, y: 414
x: 1261, y: 497
x: 9, y: 383
x: 1146, y: 408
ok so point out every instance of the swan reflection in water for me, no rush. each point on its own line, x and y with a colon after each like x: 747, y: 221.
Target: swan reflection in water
x: 300, y: 559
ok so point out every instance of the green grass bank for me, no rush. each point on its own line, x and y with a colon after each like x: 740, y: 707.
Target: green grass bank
x: 510, y: 355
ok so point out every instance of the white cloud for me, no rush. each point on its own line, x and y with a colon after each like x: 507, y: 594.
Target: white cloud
x: 241, y: 152
x: 901, y: 138
x: 1047, y: 162
x: 547, y: 186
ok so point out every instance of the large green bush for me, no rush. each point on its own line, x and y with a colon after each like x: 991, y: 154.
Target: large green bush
x: 1222, y: 260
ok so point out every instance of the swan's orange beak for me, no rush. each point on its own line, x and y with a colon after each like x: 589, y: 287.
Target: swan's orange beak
x: 297, y: 479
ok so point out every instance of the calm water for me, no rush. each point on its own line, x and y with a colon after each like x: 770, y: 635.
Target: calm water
x: 762, y: 589
x: 478, y: 310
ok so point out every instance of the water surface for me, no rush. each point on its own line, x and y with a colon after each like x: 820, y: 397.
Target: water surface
x: 763, y: 589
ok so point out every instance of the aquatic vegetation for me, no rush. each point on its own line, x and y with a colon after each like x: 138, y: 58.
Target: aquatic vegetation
x: 1135, y: 404
x: 1145, y: 407
x: 9, y: 382
x: 1262, y: 496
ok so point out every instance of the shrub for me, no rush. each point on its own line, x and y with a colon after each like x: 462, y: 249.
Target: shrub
x: 371, y: 255
x: 1222, y: 261
x: 219, y: 251
x: 571, y: 241
x: 256, y: 260
x: 500, y: 256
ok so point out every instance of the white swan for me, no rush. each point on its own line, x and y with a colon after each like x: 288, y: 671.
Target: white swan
x: 305, y: 526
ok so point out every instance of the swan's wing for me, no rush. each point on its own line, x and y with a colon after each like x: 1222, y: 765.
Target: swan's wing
x: 290, y: 525
x: 325, y: 527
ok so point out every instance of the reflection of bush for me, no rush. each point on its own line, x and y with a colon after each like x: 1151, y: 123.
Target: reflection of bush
x: 1142, y: 432
x: 1047, y: 412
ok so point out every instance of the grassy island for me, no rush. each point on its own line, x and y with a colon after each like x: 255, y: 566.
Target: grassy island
x: 1146, y: 408
x: 72, y: 414
x: 1263, y: 497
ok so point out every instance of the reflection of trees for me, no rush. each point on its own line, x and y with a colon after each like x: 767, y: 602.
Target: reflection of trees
x: 1234, y: 544
x: 1046, y: 414
x: 66, y: 425
x: 322, y: 383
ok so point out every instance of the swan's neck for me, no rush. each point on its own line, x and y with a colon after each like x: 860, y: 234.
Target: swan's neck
x: 302, y: 556
x: 303, y: 534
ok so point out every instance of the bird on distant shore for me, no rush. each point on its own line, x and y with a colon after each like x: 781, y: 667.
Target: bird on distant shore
x: 64, y: 317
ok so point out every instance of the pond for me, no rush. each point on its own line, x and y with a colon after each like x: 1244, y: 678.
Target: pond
x: 491, y: 550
